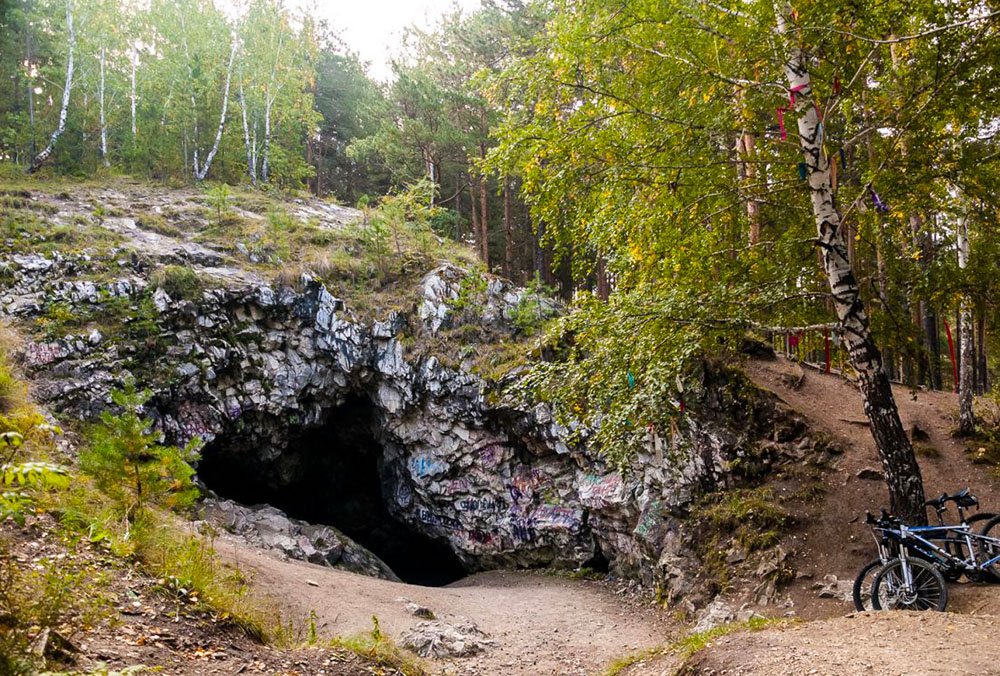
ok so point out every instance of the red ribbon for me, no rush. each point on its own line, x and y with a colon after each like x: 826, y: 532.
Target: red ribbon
x: 791, y: 105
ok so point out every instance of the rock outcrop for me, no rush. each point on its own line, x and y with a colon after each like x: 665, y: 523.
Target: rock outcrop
x: 251, y: 368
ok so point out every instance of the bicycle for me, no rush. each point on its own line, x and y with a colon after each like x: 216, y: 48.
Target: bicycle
x: 954, y: 556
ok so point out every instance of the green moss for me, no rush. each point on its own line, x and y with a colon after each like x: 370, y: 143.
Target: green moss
x: 692, y: 643
x: 158, y: 224
x: 179, y: 282
x: 749, y: 519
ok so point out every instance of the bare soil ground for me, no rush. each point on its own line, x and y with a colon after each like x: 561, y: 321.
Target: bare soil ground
x: 838, y: 641
x: 837, y: 541
x: 542, y: 624
x: 876, y: 644
x: 128, y: 619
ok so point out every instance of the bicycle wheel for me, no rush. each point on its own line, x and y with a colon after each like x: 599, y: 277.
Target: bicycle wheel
x: 990, y: 550
x: 862, y: 592
x: 928, y: 592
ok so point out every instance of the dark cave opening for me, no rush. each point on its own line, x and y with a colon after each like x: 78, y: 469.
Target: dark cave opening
x: 331, y: 475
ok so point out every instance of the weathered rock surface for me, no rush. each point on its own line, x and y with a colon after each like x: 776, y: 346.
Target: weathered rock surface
x: 270, y: 528
x: 437, y: 639
x: 250, y: 367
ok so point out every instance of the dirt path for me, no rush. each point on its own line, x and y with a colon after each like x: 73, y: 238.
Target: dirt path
x: 836, y: 541
x: 542, y: 624
x: 874, y: 644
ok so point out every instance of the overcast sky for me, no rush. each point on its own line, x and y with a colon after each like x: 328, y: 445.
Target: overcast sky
x: 374, y: 28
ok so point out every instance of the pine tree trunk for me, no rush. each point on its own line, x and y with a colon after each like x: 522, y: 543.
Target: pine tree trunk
x: 42, y: 157
x: 984, y: 380
x: 484, y: 213
x: 902, y: 475
x: 477, y: 232
x: 132, y: 94
x: 966, y: 415
x: 508, y: 231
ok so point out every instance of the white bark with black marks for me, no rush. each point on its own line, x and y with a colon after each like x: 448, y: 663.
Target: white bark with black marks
x: 902, y: 474
x: 134, y: 58
x: 203, y: 172
x: 104, y: 121
x: 966, y: 414
x: 42, y: 157
x: 251, y: 163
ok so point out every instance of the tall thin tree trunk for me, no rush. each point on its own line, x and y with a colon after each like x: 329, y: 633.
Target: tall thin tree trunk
x: 508, y: 231
x: 134, y: 58
x: 222, y: 117
x: 484, y: 212
x: 966, y: 415
x: 104, y: 121
x: 984, y: 377
x: 476, y: 230
x: 29, y: 52
x: 902, y: 474
x: 42, y: 157
x: 251, y: 167
x: 265, y: 167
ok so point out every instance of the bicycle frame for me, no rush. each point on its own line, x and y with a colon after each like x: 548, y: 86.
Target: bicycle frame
x: 906, y: 535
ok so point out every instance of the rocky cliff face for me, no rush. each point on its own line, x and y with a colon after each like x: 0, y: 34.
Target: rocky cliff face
x: 330, y: 419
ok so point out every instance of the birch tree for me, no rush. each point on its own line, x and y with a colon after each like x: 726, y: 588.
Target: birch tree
x: 895, y: 451
x: 966, y: 414
x: 42, y: 157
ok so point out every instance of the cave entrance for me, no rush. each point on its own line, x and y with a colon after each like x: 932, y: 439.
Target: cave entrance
x: 331, y: 475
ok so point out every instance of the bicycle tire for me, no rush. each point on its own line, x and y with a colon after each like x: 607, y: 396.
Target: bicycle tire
x: 930, y: 590
x: 862, y: 590
x: 987, y: 550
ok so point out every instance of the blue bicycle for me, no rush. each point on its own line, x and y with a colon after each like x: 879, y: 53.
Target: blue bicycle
x: 915, y: 561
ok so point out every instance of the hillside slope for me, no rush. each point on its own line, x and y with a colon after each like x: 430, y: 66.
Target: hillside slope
x: 834, y: 640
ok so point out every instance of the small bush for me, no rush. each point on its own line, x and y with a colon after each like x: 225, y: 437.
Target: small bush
x: 40, y: 601
x: 179, y: 282
x: 126, y: 459
x: 380, y: 649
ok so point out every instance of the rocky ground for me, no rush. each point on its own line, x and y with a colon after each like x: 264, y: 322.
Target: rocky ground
x: 265, y: 350
x: 530, y: 623
x: 125, y: 619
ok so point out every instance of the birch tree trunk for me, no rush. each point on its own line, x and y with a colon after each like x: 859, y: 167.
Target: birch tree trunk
x: 902, y: 475
x: 104, y: 121
x: 42, y: 157
x: 966, y: 415
x: 251, y: 165
x: 265, y: 169
x: 132, y: 94
x: 222, y: 117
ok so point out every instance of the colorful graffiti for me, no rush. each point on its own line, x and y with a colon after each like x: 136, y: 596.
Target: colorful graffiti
x: 554, y: 516
x: 426, y: 465
x: 598, y: 491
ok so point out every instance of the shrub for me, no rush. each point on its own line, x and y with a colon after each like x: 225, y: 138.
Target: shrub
x: 126, y: 459
x: 179, y: 282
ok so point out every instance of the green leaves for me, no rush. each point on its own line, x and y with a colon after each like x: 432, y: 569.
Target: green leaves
x: 126, y: 459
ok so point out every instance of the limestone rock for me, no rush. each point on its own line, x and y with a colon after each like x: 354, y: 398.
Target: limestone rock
x: 252, y: 368
x: 439, y: 640
x: 269, y: 527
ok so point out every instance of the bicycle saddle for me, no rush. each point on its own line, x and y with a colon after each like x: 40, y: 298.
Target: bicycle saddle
x: 962, y: 498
